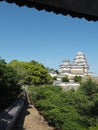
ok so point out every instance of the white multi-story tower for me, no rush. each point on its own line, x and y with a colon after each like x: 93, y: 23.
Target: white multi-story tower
x: 79, y: 66
x: 80, y: 63
x: 65, y: 67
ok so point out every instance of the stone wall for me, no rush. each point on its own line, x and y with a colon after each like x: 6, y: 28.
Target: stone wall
x: 9, y: 116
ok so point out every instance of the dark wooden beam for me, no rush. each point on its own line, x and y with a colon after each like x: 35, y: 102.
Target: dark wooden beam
x: 76, y: 8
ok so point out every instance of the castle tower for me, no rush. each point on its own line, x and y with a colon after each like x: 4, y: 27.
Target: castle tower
x: 79, y: 66
x: 81, y: 62
x: 65, y: 67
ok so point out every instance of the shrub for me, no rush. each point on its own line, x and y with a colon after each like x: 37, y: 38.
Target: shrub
x: 65, y: 79
x: 78, y: 79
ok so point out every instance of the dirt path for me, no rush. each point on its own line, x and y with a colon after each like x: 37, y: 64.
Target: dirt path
x: 30, y: 119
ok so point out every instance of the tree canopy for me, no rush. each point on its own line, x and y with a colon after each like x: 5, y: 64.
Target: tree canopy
x: 9, y: 90
x: 31, y: 72
x: 70, y: 110
x: 65, y: 79
x: 77, y: 78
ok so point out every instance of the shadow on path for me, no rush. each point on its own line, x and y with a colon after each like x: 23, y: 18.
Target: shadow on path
x: 20, y: 120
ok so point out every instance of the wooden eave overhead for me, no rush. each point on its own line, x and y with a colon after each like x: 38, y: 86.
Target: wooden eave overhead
x: 87, y: 9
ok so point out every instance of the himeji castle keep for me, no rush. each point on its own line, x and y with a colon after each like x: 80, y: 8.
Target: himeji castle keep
x: 79, y: 66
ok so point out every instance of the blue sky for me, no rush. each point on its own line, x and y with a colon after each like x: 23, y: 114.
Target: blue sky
x: 28, y: 34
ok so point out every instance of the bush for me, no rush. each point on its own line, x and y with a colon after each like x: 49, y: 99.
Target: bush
x: 78, y: 79
x: 9, y: 90
x: 70, y: 110
x: 55, y: 78
x: 65, y: 79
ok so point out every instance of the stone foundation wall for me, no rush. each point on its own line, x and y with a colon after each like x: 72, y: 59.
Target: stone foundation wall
x: 9, y: 116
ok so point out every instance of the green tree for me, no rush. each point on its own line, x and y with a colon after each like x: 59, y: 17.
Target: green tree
x: 70, y: 110
x: 57, y: 72
x: 89, y: 87
x: 77, y: 78
x: 31, y: 72
x: 9, y: 90
x: 20, y: 67
x: 65, y: 79
x: 55, y: 78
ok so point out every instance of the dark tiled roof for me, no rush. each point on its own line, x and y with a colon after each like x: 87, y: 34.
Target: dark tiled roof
x: 76, y: 8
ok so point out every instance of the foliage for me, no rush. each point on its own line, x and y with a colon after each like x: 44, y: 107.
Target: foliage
x: 56, y: 71
x: 77, y: 78
x: 55, y: 78
x: 70, y: 110
x: 31, y: 72
x: 65, y: 79
x: 9, y: 90
x: 90, y: 88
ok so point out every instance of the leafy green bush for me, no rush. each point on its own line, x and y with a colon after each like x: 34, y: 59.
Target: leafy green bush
x: 9, y: 90
x: 70, y: 110
x: 55, y: 78
x: 65, y: 79
x: 77, y: 78
x: 31, y: 73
